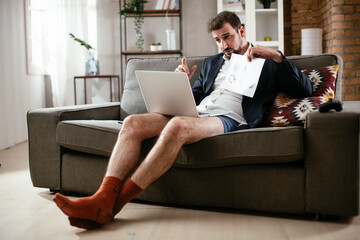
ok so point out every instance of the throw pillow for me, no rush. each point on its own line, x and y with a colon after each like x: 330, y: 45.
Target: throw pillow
x: 288, y: 111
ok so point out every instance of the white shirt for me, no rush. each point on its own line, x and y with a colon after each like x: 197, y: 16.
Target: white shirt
x: 223, y: 100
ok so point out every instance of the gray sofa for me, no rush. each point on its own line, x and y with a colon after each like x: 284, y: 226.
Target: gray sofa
x: 297, y: 170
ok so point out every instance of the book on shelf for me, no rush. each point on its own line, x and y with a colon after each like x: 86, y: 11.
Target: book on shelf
x: 159, y: 4
x: 174, y: 4
x: 167, y: 5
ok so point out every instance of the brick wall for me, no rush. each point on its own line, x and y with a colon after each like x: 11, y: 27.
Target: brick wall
x: 340, y: 21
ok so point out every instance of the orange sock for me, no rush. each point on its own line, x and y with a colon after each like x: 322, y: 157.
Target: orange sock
x: 128, y: 192
x: 97, y: 207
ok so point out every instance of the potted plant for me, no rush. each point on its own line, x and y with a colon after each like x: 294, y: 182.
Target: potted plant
x: 266, y: 3
x: 136, y: 7
x: 91, y: 65
x: 155, y: 47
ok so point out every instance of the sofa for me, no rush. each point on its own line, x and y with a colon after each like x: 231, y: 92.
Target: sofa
x: 308, y: 169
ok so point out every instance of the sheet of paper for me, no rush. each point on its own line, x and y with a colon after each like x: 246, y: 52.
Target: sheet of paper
x: 243, y: 76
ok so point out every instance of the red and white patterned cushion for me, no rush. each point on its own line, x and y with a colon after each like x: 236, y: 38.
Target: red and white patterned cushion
x: 287, y: 111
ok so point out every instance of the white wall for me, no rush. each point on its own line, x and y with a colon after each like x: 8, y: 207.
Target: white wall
x: 196, y: 14
x: 19, y: 92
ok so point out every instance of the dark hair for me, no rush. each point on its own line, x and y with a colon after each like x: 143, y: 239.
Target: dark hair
x: 224, y: 17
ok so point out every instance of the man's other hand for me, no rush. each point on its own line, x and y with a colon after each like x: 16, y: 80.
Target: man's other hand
x: 264, y: 52
x: 184, y: 68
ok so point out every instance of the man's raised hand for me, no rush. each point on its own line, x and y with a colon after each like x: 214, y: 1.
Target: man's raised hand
x: 184, y: 68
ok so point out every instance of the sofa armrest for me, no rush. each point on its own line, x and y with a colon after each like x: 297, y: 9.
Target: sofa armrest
x: 332, y: 163
x: 44, y: 151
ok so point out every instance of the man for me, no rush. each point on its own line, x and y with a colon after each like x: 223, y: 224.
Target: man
x: 278, y: 74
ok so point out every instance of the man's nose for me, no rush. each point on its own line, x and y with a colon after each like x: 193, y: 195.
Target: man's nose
x: 223, y: 44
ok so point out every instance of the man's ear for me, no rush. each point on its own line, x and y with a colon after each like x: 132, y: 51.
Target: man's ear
x: 242, y: 31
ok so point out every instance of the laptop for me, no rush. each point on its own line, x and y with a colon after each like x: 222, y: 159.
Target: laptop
x: 168, y: 93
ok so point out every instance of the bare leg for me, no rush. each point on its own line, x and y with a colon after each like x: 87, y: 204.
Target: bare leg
x: 179, y: 131
x: 173, y: 134
x: 127, y: 149
x: 98, y: 208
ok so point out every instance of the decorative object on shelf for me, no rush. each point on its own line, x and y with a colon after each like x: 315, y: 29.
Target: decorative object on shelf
x: 82, y: 43
x: 311, y: 41
x: 136, y: 7
x: 266, y: 3
x: 156, y: 47
x: 267, y: 38
x: 91, y: 65
x: 167, y: 4
x: 170, y: 37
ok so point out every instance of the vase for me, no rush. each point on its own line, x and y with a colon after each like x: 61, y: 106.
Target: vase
x: 139, y: 41
x: 266, y: 3
x: 139, y: 7
x: 91, y: 65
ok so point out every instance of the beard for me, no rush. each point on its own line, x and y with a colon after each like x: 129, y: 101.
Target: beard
x: 229, y: 51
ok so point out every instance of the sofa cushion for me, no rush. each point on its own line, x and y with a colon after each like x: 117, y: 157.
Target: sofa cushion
x: 288, y: 111
x: 262, y: 145
x: 89, y: 136
x: 253, y: 146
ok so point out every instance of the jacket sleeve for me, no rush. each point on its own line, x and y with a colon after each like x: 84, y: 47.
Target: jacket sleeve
x: 292, y: 81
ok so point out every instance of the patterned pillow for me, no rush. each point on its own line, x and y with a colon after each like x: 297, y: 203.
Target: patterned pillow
x: 287, y: 111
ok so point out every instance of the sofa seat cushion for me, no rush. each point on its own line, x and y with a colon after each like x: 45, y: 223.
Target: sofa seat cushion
x: 254, y: 146
x: 89, y: 136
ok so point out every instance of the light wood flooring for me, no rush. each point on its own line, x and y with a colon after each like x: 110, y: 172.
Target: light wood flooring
x: 29, y: 213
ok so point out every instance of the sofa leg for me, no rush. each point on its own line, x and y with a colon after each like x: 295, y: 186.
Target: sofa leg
x: 54, y: 191
x: 319, y: 217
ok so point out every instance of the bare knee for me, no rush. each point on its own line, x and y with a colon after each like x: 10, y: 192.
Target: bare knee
x: 175, y: 130
x: 132, y: 125
x: 143, y: 126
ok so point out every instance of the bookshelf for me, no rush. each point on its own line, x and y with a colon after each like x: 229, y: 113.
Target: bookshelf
x: 166, y: 11
x: 259, y: 22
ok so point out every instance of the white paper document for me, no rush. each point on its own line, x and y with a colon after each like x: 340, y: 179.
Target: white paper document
x: 243, y: 76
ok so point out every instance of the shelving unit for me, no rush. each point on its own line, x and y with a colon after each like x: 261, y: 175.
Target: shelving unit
x: 259, y: 22
x: 125, y: 53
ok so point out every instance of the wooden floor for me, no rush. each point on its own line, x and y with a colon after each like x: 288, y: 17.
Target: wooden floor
x: 29, y: 213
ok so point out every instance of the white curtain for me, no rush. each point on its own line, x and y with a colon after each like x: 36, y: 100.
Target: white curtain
x: 66, y: 57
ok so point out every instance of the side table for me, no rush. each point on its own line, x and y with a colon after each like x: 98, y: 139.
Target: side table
x: 110, y: 77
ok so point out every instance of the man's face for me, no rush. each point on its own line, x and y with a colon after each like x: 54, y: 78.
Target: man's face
x: 228, y: 39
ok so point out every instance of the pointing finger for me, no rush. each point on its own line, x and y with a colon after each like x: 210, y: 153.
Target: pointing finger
x: 183, y: 61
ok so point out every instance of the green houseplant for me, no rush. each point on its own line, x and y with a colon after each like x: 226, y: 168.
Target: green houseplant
x: 91, y: 65
x: 136, y: 7
x: 82, y: 43
x: 266, y: 3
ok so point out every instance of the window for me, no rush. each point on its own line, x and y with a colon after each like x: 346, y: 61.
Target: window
x: 35, y: 17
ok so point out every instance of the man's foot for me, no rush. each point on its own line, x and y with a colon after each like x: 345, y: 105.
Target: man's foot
x: 127, y: 193
x: 83, y: 223
x: 97, y: 207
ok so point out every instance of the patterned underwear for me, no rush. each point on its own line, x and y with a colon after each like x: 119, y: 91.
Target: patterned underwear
x: 229, y: 123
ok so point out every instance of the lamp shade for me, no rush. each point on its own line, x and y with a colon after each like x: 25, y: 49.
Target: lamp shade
x: 311, y: 41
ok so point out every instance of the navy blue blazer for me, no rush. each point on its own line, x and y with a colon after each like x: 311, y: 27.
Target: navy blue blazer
x: 274, y: 78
